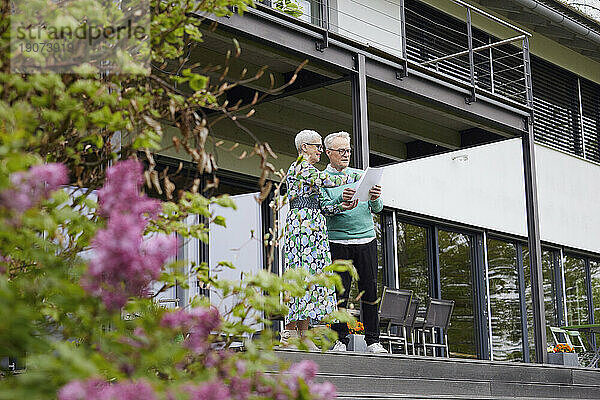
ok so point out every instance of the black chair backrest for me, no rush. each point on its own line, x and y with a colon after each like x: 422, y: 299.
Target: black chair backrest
x: 438, y: 313
x: 394, y: 305
x: 412, y: 313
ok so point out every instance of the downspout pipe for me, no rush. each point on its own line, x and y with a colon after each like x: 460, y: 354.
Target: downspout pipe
x: 560, y: 19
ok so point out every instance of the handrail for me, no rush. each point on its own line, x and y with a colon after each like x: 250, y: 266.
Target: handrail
x: 492, y: 17
x: 484, y: 47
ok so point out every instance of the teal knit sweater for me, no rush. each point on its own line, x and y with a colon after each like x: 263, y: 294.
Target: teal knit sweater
x: 351, y: 224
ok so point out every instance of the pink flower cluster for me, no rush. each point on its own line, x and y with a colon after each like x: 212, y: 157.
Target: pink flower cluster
x: 306, y: 371
x: 196, y: 323
x: 32, y: 186
x: 96, y: 389
x: 285, y: 387
x: 124, y: 263
x: 229, y: 384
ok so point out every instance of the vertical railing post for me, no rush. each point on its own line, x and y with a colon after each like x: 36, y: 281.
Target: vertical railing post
x: 491, y: 67
x: 528, y: 80
x: 581, y: 117
x: 472, y: 97
x: 321, y: 46
x: 533, y: 223
x: 360, y: 123
x: 403, y: 50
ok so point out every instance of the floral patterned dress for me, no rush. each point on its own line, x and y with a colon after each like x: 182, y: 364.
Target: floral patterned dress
x: 306, y: 244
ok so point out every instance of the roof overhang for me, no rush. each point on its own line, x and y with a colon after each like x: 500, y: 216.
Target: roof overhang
x: 554, y: 20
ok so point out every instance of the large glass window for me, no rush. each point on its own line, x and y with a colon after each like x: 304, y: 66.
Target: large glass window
x: 549, y: 296
x: 456, y: 284
x: 504, y: 301
x: 595, y: 274
x: 412, y: 259
x: 575, y: 290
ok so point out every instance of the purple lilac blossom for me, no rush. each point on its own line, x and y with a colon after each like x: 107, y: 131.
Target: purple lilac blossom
x: 96, y: 389
x: 125, y: 263
x: 198, y: 323
x: 209, y: 391
x: 323, y: 391
x: 306, y: 371
x: 32, y: 186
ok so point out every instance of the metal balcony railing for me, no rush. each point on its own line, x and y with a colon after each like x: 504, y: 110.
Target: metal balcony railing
x: 430, y: 40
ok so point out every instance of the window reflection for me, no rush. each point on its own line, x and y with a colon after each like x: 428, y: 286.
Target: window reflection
x: 549, y: 296
x: 595, y: 274
x: 412, y: 259
x: 504, y: 301
x: 575, y: 292
x: 456, y: 284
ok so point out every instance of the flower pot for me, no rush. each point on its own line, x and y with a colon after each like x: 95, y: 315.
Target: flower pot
x: 357, y: 343
x: 569, y: 359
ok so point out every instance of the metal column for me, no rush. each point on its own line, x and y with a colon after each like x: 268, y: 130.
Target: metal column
x: 535, y: 248
x: 533, y: 225
x: 472, y: 97
x: 433, y: 251
x: 388, y: 248
x: 360, y: 122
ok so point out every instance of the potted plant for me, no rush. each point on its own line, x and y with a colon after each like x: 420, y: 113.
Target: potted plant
x: 562, y: 354
x: 357, y: 337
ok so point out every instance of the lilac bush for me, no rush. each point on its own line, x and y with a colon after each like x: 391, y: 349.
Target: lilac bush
x: 196, y: 323
x: 125, y: 264
x: 97, y: 389
x: 31, y: 187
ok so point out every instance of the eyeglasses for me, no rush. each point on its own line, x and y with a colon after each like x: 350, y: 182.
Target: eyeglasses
x: 342, y: 152
x: 319, y: 145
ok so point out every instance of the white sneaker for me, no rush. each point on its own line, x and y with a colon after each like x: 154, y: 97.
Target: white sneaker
x: 286, y: 335
x: 339, y: 346
x: 311, y: 345
x: 376, y: 348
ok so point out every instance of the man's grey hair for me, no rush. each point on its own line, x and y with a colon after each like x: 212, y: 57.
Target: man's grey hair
x: 306, y: 136
x: 332, y: 136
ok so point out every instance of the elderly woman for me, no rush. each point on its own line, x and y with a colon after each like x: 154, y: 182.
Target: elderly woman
x: 306, y: 244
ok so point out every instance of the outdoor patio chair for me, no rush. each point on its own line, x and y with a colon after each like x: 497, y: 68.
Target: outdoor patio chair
x: 560, y: 336
x: 411, y: 318
x: 584, y: 356
x: 393, y: 311
x: 437, y: 316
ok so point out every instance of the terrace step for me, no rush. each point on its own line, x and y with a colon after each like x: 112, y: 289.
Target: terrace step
x: 377, y: 376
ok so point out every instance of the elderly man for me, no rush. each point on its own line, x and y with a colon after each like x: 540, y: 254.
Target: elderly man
x: 352, y: 237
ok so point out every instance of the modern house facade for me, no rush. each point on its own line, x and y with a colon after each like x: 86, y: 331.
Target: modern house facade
x: 485, y: 116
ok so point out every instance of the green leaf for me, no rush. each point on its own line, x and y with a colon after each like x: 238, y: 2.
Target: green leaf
x: 219, y: 220
x: 225, y: 201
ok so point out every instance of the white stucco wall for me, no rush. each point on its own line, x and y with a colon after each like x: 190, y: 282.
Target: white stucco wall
x: 481, y: 186
x: 376, y: 22
x: 569, y: 196
x: 484, y: 186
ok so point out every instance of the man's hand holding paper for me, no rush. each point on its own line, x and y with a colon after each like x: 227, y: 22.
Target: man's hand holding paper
x: 368, y: 187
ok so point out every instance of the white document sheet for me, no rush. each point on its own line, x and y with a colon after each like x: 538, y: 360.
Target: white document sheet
x: 370, y: 178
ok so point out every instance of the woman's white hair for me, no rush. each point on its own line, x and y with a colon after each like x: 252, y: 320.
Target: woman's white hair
x: 306, y: 136
x: 332, y: 136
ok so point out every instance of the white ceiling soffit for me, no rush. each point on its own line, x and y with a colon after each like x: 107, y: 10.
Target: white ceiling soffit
x: 555, y: 20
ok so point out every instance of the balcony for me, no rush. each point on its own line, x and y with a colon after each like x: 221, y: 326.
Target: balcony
x: 409, y: 31
x: 427, y: 60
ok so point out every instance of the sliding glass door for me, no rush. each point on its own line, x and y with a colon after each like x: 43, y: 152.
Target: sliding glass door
x: 456, y: 283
